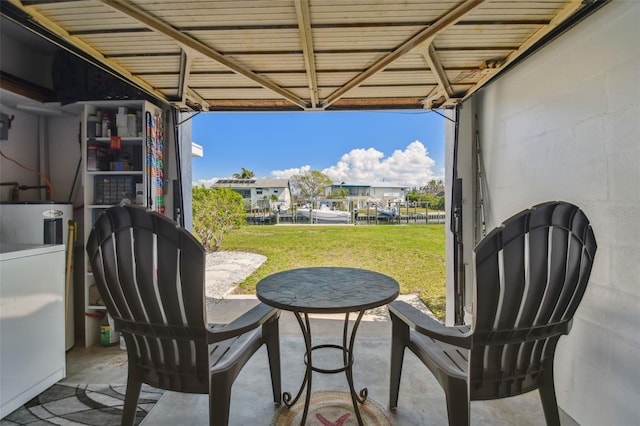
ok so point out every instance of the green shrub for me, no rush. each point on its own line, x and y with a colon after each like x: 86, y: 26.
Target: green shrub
x: 216, y: 211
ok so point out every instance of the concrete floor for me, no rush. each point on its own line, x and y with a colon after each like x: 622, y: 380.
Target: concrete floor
x: 421, y: 400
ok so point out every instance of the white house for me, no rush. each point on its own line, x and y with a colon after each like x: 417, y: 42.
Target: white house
x: 260, y: 193
x: 376, y: 192
x: 386, y: 192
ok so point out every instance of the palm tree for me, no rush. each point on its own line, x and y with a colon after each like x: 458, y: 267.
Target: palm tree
x: 245, y: 174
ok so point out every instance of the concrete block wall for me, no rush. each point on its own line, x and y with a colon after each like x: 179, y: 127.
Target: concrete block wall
x: 565, y: 124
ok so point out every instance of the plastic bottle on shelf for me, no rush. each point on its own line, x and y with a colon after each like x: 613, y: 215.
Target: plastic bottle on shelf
x: 98, y: 123
x: 106, y: 125
x: 92, y: 126
x: 92, y: 157
x: 131, y: 125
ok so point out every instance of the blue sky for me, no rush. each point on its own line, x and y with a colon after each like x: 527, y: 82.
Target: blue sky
x: 401, y: 147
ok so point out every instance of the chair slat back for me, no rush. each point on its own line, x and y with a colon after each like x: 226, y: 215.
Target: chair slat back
x: 531, y: 273
x: 150, y: 274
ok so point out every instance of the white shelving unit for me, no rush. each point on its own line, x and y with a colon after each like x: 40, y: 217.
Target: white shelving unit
x: 118, y: 168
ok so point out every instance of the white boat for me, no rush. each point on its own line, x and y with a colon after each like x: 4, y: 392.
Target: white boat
x: 389, y: 213
x: 323, y: 215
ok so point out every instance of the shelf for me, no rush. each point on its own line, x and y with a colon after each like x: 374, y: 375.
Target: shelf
x: 143, y: 184
x: 96, y: 307
x: 106, y: 206
x: 125, y: 140
x: 105, y: 188
x: 115, y: 173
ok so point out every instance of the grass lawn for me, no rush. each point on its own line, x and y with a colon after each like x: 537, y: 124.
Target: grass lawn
x: 412, y: 254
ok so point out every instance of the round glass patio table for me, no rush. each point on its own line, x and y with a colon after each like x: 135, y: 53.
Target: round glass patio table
x: 327, y: 290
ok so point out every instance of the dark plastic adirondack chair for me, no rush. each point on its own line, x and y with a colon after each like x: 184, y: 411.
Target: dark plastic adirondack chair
x: 150, y: 274
x: 531, y: 273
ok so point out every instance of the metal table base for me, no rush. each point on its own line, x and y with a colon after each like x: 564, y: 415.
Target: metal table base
x: 327, y: 290
x: 347, y: 360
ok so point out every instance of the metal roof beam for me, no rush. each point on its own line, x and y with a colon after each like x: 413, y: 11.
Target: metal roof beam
x: 191, y: 44
x: 183, y: 78
x: 451, y: 18
x: 185, y: 93
x: 444, y: 86
x: 306, y: 39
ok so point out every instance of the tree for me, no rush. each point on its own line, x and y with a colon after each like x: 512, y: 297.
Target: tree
x: 216, y: 211
x: 435, y: 187
x: 432, y: 193
x: 339, y: 193
x: 414, y: 195
x: 310, y: 185
x: 244, y: 174
x: 436, y: 202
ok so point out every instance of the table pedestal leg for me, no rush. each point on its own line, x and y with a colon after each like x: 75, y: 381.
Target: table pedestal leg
x: 305, y: 327
x: 348, y: 340
x: 348, y: 353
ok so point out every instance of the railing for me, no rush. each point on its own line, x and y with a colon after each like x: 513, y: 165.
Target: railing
x: 371, y: 218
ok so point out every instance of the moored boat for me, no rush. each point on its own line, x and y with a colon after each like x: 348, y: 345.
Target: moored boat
x: 323, y: 215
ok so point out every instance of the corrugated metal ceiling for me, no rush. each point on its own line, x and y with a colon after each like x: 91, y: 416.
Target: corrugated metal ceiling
x: 305, y: 54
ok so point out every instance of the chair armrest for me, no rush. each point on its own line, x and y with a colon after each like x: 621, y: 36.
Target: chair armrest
x: 424, y: 324
x: 254, y: 318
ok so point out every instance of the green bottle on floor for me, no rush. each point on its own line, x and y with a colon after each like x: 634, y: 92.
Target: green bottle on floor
x: 108, y: 335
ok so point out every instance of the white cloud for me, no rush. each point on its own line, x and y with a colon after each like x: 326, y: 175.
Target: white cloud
x: 411, y: 166
x: 206, y: 182
x: 287, y: 173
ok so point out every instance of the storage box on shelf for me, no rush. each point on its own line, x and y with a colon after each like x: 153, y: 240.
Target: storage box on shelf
x: 123, y: 153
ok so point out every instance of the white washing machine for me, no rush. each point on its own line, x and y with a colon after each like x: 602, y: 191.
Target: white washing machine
x: 35, y: 222
x: 40, y: 222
